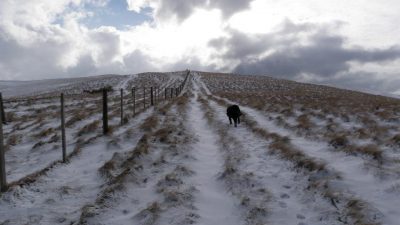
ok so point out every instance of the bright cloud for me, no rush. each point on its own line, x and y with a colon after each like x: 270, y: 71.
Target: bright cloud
x: 348, y: 40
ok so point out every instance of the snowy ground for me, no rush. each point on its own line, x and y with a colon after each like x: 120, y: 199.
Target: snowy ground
x: 180, y: 162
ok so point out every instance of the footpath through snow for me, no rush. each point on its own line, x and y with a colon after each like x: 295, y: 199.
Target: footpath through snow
x: 215, y: 205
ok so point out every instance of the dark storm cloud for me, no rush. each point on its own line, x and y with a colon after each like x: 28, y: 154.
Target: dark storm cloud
x: 230, y: 7
x: 324, y: 55
x: 184, y: 8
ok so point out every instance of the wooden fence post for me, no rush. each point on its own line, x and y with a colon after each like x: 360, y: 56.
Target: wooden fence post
x: 3, y: 114
x: 159, y: 97
x: 165, y: 94
x: 144, y: 97
x: 105, y: 112
x: 155, y: 96
x: 3, y: 180
x: 172, y: 92
x: 134, y: 100
x: 122, y: 107
x: 64, y: 145
x: 151, y: 96
x: 176, y: 92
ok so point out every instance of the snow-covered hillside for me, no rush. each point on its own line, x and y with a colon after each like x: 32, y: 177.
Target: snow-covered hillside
x: 303, y: 154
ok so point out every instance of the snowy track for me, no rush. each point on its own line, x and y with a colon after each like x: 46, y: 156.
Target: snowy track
x: 215, y: 205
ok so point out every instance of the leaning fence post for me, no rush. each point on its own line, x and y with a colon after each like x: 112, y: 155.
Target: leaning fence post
x: 151, y: 96
x: 122, y: 106
x: 3, y: 114
x: 105, y: 112
x: 3, y: 180
x: 165, y: 94
x: 134, y: 100
x: 172, y: 92
x: 176, y: 92
x: 64, y: 146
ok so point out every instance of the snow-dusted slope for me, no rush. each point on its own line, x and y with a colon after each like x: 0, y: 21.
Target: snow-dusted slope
x: 302, y: 154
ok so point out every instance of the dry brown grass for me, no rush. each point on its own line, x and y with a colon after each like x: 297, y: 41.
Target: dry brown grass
x: 355, y: 210
x: 14, y: 139
x: 44, y: 133
x: 296, y: 156
x: 396, y: 139
x: 78, y: 115
x: 89, y: 128
x: 150, y: 123
x: 339, y: 141
x: 370, y: 150
x: 164, y: 134
x: 304, y: 122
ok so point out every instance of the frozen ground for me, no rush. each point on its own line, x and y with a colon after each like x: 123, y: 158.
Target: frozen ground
x: 180, y: 162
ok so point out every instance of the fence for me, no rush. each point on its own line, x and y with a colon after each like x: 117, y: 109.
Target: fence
x: 155, y: 97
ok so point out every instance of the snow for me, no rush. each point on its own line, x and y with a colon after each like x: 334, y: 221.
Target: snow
x: 215, y: 205
x: 357, y: 181
x: 209, y: 195
x: 58, y: 197
x: 290, y: 202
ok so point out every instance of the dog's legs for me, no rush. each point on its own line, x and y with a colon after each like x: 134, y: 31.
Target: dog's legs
x: 235, y: 120
x: 230, y: 120
x: 238, y: 120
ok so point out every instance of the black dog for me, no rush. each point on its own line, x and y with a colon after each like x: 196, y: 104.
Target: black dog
x: 233, y: 112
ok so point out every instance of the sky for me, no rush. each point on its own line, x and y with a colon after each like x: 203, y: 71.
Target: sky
x: 351, y: 44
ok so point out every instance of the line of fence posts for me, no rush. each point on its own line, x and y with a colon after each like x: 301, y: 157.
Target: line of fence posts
x: 153, y: 91
x: 3, y: 180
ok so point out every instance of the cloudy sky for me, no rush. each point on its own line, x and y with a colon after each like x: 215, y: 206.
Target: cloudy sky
x: 353, y: 44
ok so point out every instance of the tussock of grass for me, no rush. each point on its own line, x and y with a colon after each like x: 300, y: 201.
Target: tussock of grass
x: 304, y: 122
x: 170, y: 180
x: 44, y: 133
x: 150, y: 123
x: 371, y: 150
x: 163, y: 134
x: 355, y: 210
x: 339, y: 141
x: 149, y: 215
x: 396, y: 139
x: 77, y: 116
x: 89, y: 128
x: 296, y: 156
x: 14, y: 139
x: 38, y: 144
